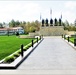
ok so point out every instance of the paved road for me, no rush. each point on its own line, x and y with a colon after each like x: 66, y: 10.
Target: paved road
x: 53, y: 56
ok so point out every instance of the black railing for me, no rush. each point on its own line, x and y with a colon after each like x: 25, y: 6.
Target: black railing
x: 32, y: 44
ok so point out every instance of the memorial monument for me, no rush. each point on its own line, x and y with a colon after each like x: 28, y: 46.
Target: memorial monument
x: 42, y: 22
x: 51, y: 22
x: 52, y: 27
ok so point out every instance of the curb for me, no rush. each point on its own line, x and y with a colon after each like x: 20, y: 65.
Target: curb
x: 71, y: 44
x: 16, y: 65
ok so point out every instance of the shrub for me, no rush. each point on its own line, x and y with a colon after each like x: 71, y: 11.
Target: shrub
x: 16, y: 55
x: 9, y: 59
x: 19, y: 52
x: 29, y: 45
x: 24, y: 49
x: 17, y: 33
x: 35, y: 41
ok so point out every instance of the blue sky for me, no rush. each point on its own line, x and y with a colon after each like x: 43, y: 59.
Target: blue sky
x: 30, y: 10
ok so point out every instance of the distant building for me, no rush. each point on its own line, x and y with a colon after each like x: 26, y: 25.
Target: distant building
x: 20, y: 30
x: 11, y: 31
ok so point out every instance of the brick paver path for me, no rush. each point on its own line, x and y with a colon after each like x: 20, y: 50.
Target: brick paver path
x: 53, y: 56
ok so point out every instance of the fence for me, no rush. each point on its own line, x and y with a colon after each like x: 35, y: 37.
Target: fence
x: 68, y: 39
x: 32, y: 44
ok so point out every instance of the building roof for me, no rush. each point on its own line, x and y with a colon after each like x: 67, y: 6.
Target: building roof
x: 12, y: 28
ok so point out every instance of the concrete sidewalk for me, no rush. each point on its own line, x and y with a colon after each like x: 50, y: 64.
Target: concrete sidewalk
x: 53, y: 56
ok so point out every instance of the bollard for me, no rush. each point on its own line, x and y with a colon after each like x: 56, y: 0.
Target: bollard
x: 22, y: 50
x: 32, y: 43
x: 68, y: 38
x: 62, y: 35
x: 37, y: 39
x: 40, y: 37
x: 75, y: 42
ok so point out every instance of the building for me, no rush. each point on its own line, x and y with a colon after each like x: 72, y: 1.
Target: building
x: 11, y: 31
x: 20, y: 30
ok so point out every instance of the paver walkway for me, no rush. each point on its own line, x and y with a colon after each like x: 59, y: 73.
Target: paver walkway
x: 52, y: 53
x: 53, y: 56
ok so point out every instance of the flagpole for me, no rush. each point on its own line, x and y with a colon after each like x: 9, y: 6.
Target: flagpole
x: 50, y: 13
x: 40, y: 18
x: 61, y: 16
x: 61, y: 19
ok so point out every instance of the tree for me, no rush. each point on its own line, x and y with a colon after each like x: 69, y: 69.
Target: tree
x: 66, y: 25
x: 17, y: 23
x: 12, y: 23
x: 1, y: 26
x: 27, y: 27
x: 32, y: 26
x: 24, y: 22
x: 37, y: 25
x: 75, y: 22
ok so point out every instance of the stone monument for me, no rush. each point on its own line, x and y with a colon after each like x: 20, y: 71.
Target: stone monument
x: 51, y: 22
x: 59, y: 22
x: 54, y: 28
x: 46, y: 22
x: 42, y: 22
x: 55, y: 22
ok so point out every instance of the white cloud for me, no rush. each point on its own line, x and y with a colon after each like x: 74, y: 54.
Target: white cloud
x: 30, y: 10
x: 69, y: 15
x: 70, y: 4
x: 70, y: 11
x: 19, y: 10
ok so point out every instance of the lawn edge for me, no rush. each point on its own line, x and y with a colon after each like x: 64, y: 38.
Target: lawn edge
x: 17, y: 62
x: 70, y: 43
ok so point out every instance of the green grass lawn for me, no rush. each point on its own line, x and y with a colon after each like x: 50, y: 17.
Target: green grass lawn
x: 72, y: 39
x: 10, y: 44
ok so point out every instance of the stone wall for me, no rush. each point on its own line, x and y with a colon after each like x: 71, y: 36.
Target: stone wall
x: 37, y: 33
x: 26, y: 36
x: 69, y: 32
x: 52, y: 31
